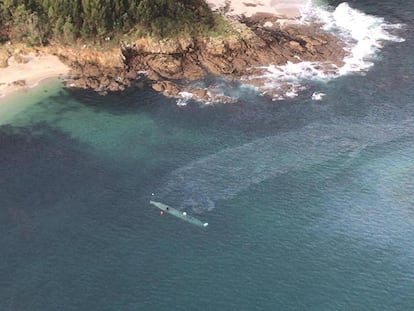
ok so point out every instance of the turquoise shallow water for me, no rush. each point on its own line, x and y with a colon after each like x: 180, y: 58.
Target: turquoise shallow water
x: 310, y: 204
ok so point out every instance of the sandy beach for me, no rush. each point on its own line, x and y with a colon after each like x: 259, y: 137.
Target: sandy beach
x: 289, y: 9
x: 27, y: 70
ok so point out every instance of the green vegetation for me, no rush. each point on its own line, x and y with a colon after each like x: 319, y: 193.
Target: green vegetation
x: 38, y: 21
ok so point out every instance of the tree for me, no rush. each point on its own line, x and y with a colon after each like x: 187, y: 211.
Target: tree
x: 58, y: 29
x: 40, y: 19
x: 68, y: 30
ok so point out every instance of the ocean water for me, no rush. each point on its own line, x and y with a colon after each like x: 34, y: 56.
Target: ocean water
x: 310, y: 203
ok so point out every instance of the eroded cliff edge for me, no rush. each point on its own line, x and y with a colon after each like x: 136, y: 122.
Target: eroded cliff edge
x: 171, y: 66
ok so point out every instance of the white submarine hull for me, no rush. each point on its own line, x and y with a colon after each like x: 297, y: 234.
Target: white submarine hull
x: 182, y: 215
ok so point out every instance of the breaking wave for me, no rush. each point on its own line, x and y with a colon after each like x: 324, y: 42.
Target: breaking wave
x: 363, y: 35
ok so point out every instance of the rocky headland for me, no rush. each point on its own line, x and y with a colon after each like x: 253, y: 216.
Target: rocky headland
x: 173, y: 66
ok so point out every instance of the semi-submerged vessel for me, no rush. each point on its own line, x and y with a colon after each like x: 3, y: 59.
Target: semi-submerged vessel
x: 179, y: 214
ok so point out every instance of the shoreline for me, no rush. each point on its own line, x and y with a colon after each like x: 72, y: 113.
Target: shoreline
x: 26, y: 71
x: 17, y: 101
x: 171, y: 66
x: 269, y: 51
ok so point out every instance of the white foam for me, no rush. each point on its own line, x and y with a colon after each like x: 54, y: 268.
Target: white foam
x: 181, y: 103
x: 185, y: 97
x: 291, y: 93
x: 318, y: 95
x: 300, y: 71
x: 285, y: 81
x: 362, y: 34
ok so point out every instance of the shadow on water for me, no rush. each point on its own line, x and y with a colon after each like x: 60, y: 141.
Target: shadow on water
x: 63, y: 216
x: 40, y: 166
x: 45, y: 164
x: 117, y: 102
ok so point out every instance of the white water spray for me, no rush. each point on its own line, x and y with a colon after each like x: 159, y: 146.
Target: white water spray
x: 364, y: 36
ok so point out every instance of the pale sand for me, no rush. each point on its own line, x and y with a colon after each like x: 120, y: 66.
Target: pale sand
x: 38, y: 68
x: 290, y: 9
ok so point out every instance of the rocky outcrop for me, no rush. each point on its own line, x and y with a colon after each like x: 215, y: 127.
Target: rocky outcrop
x: 175, y: 90
x: 240, y: 53
x: 101, y: 71
x: 172, y: 64
x: 19, y: 83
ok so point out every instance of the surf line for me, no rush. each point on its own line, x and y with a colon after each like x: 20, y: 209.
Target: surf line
x: 182, y: 215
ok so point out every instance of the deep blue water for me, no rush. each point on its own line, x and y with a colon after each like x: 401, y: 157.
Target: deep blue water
x: 313, y: 200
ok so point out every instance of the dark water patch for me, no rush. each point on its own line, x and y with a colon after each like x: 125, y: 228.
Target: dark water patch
x: 64, y: 216
x: 118, y: 102
x: 34, y: 165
